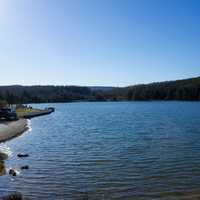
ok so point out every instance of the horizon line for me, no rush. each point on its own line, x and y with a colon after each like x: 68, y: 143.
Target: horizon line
x: 90, y: 86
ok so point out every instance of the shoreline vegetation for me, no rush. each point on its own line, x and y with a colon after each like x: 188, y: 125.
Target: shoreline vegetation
x: 182, y: 90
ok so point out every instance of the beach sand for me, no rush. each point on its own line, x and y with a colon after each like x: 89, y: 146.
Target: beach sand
x: 9, y: 130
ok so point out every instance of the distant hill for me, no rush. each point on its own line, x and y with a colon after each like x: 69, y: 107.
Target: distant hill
x: 186, y: 89
x: 101, y: 88
x: 39, y: 94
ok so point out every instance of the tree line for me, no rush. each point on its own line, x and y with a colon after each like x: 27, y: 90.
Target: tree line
x: 187, y: 89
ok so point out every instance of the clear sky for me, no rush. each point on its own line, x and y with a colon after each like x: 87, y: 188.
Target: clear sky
x: 98, y: 42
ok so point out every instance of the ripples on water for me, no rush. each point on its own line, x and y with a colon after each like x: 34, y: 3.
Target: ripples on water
x: 110, y: 151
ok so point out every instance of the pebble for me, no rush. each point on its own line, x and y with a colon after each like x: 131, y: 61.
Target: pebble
x: 12, y: 172
x: 25, y: 167
x: 22, y: 155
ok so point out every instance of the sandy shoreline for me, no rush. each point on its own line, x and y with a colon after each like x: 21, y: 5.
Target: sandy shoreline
x: 9, y: 130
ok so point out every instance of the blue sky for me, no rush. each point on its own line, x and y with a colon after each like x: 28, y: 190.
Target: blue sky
x: 98, y: 42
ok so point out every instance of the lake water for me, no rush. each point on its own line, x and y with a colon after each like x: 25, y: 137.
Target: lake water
x: 110, y: 151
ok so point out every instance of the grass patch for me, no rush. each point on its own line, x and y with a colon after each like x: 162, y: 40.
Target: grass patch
x: 21, y: 112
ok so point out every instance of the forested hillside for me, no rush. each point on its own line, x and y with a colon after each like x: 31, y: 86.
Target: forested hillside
x: 188, y: 89
x: 39, y: 94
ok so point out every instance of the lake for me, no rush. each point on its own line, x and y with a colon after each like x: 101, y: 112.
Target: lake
x: 109, y: 151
